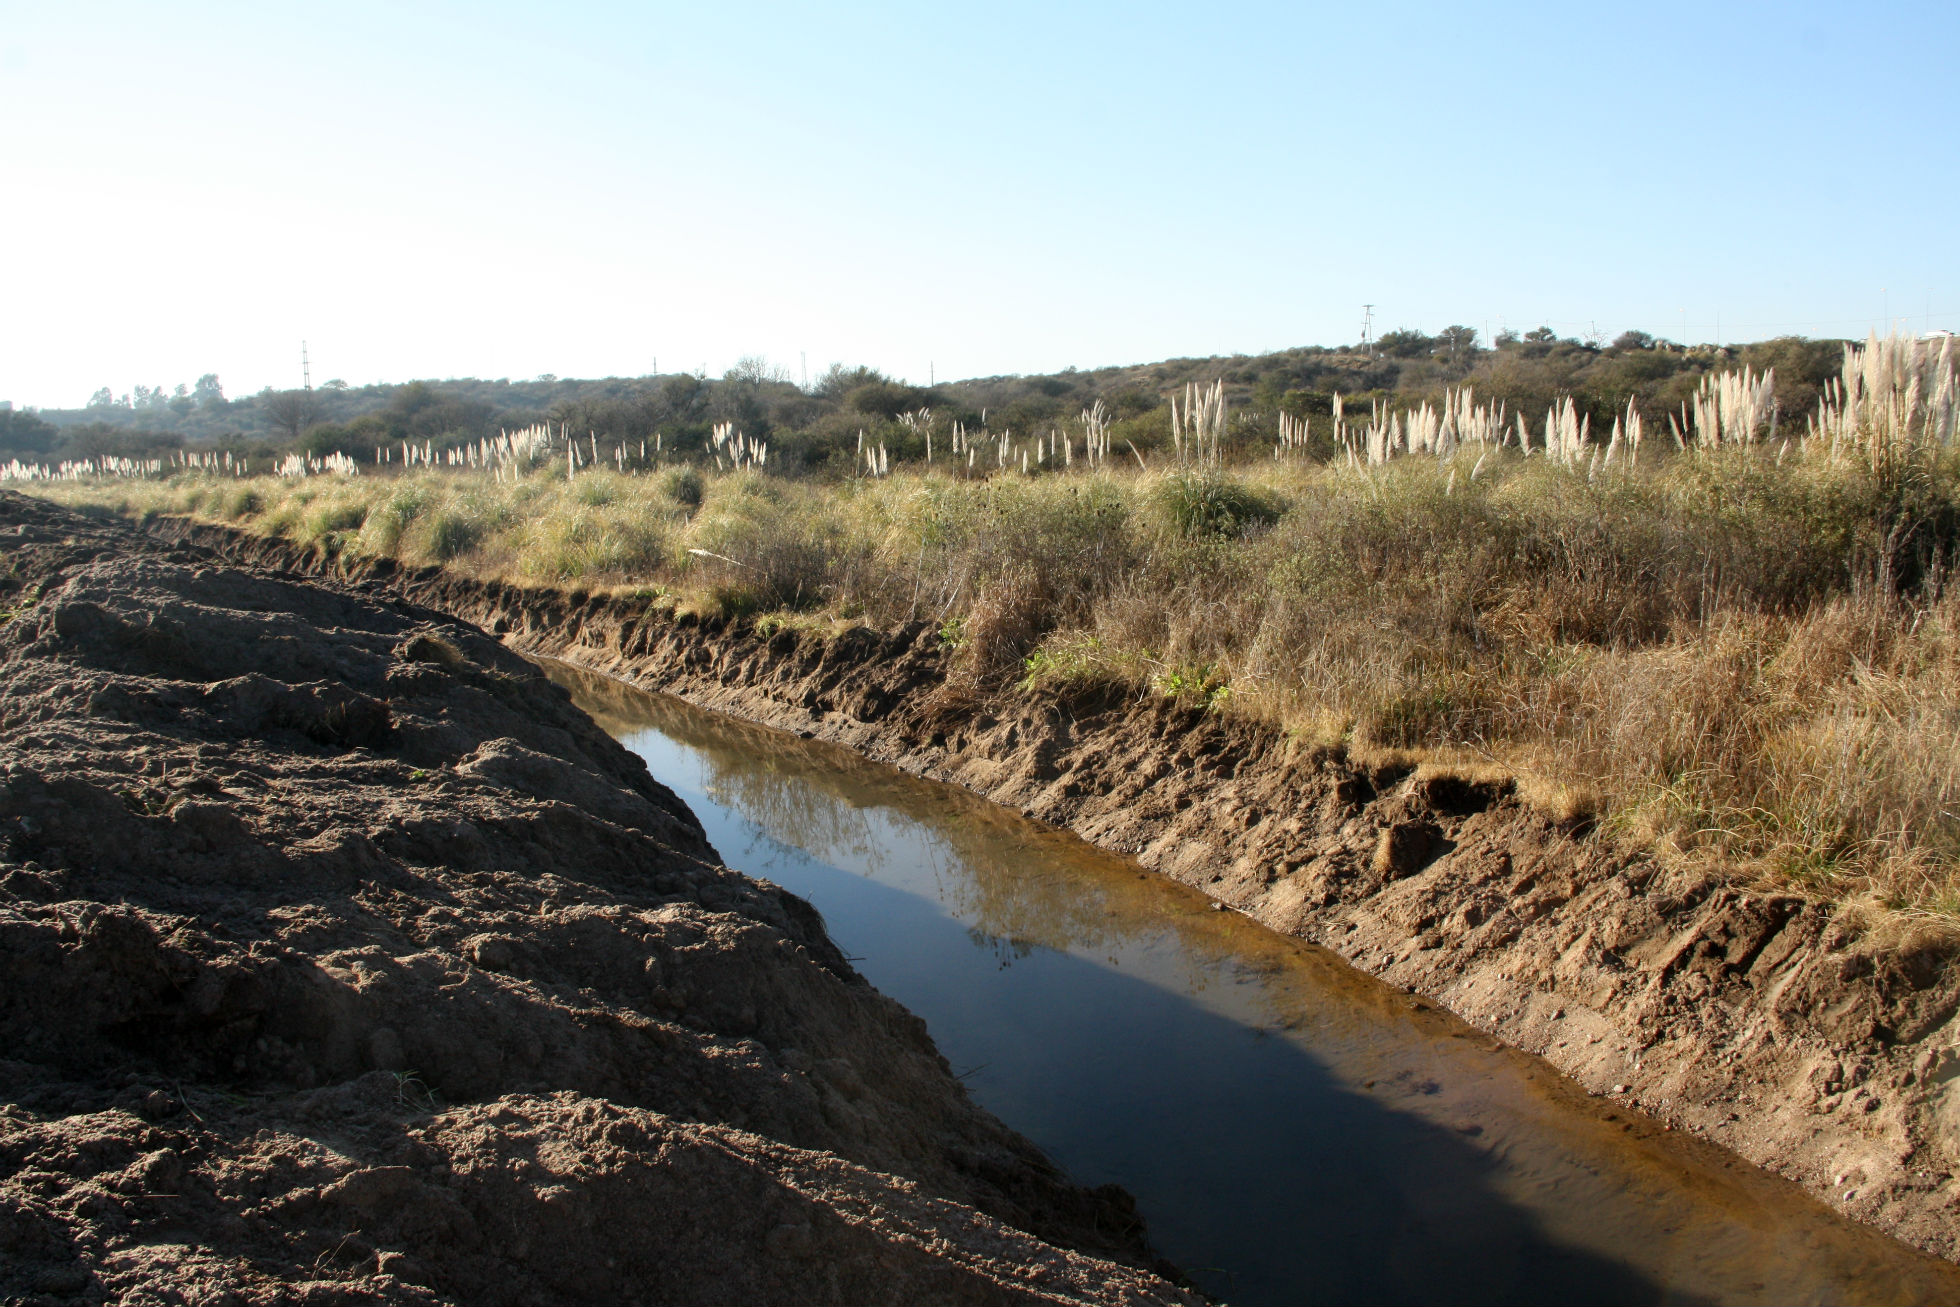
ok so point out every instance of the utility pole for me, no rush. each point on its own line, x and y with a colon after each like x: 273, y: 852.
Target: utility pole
x: 305, y: 368
x: 803, y: 362
x: 1367, y: 327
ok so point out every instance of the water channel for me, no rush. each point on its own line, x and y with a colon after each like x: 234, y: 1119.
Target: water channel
x: 1293, y: 1130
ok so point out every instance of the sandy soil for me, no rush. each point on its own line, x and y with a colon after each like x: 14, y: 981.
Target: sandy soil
x: 343, y: 960
x: 1804, y: 1037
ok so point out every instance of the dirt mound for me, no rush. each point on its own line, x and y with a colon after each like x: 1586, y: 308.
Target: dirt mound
x: 342, y: 959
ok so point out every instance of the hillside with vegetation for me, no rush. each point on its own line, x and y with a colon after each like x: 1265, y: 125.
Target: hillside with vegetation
x: 815, y: 428
x: 1703, y: 602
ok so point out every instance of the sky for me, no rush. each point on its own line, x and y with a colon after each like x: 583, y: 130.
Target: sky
x: 940, y: 191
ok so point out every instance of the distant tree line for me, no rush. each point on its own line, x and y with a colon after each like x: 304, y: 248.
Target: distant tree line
x: 814, y: 427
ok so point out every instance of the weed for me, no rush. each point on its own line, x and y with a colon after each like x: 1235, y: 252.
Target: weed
x: 1202, y: 683
x: 412, y: 1094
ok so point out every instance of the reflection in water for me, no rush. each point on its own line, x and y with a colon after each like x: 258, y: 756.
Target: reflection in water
x: 1294, y: 1131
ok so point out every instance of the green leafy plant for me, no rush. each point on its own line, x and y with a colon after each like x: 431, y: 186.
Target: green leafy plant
x: 1202, y: 682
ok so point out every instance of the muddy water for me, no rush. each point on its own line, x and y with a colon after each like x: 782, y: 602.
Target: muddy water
x: 1293, y: 1131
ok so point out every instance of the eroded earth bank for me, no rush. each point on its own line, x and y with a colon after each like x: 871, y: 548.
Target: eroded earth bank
x: 1806, y: 1038
x: 342, y: 960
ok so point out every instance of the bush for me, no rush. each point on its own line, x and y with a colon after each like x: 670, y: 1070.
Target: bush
x: 683, y: 485
x: 453, y: 532
x: 333, y: 517
x: 382, y: 532
x: 1211, y: 503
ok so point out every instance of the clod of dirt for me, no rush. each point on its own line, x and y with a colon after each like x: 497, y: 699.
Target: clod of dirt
x: 343, y: 960
x: 1406, y: 847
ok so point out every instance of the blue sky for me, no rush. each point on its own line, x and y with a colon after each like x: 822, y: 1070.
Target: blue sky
x: 504, y: 190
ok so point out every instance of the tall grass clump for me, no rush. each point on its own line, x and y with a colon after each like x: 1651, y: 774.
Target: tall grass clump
x: 384, y: 526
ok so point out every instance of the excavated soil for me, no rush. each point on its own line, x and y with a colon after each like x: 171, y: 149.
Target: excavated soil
x: 342, y: 960
x: 1781, y: 1028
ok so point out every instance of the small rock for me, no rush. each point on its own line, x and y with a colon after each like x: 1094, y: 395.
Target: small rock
x: 1619, y: 1089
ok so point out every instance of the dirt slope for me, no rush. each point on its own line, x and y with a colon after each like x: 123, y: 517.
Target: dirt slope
x: 343, y: 960
x: 1783, y: 1029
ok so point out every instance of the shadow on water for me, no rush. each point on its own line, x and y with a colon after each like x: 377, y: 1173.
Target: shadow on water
x: 1293, y: 1131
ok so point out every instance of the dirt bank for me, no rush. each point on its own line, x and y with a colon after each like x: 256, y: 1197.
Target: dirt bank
x: 343, y: 960
x: 1791, y: 1032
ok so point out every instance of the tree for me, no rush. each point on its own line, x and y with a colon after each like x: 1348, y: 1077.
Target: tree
x: 1541, y: 336
x: 1306, y: 403
x: 291, y: 412
x: 207, y: 392
x: 840, y: 381
x: 24, y: 435
x: 682, y: 396
x: 1633, y: 340
x: 887, y: 399
x: 103, y: 398
x: 1457, y: 340
x: 1406, y: 343
x: 753, y: 370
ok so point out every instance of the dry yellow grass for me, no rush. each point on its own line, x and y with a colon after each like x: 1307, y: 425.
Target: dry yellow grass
x: 1746, y: 651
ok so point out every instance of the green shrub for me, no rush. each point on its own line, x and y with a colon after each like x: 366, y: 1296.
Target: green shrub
x: 242, y: 503
x: 453, y: 532
x: 1211, y: 503
x: 683, y: 485
x: 331, y: 518
x: 383, y: 530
